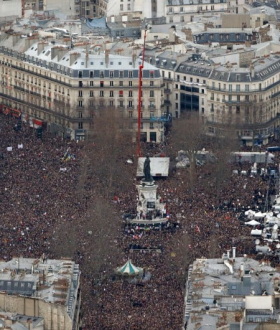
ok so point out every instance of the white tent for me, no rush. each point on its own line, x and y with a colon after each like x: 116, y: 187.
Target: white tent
x: 259, y: 215
x: 129, y: 269
x: 252, y: 223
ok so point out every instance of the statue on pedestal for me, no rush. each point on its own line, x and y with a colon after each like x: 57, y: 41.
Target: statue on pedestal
x: 147, y: 170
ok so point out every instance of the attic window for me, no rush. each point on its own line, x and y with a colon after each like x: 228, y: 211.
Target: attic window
x: 63, y: 58
x: 48, y: 53
x: 35, y: 49
x: 32, y: 48
x: 76, y: 62
x: 111, y: 63
x: 82, y: 63
x: 91, y: 63
x: 233, y: 287
x: 130, y: 63
x: 120, y: 63
x: 101, y: 63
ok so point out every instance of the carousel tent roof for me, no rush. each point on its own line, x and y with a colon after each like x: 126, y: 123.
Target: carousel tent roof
x: 129, y: 269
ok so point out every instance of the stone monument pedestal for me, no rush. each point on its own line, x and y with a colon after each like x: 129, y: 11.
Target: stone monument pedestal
x: 150, y: 209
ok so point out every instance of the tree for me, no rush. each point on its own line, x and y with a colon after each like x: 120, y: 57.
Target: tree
x: 188, y: 135
x: 222, y: 144
x: 109, y: 147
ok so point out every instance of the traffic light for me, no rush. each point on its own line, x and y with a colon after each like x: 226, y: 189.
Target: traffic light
x: 39, y: 132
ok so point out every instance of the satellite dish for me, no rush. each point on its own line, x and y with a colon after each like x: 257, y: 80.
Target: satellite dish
x: 257, y: 241
x: 278, y: 246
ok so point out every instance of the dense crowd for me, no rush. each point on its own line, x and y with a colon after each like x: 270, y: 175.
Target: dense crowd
x: 38, y: 186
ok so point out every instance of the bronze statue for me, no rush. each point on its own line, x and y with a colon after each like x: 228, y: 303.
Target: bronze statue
x: 147, y: 170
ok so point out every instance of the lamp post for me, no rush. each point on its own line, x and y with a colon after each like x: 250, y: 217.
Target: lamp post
x: 141, y: 66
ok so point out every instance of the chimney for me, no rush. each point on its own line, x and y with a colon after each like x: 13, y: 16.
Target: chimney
x: 61, y: 52
x: 106, y: 58
x: 29, y: 42
x: 233, y: 253
x: 133, y: 59
x: 172, y: 35
x: 228, y: 254
x: 242, y: 271
x: 16, y: 38
x: 74, y: 57
x: 54, y: 52
x: 252, y: 70
x: 87, y: 46
x: 40, y: 47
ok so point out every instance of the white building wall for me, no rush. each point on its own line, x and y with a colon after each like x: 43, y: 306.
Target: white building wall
x: 160, y: 8
x: 138, y: 5
x: 113, y: 8
x: 67, y: 7
x: 9, y: 9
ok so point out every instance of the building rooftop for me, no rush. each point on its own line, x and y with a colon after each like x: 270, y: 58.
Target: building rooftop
x: 219, y: 286
x: 54, y: 281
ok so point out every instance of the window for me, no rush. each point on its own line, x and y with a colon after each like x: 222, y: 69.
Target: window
x: 80, y: 93
x: 120, y: 93
x: 152, y: 94
x: 130, y: 74
x: 91, y: 93
x: 130, y: 83
x: 111, y: 83
x: 80, y: 114
x: 80, y: 125
x: 111, y: 74
x: 238, y: 110
x: 151, y: 125
x: 101, y: 74
x: 80, y: 103
x: 247, y: 88
x: 101, y: 93
x: 121, y: 83
x: 238, y: 88
x: 130, y: 94
x: 111, y: 93
x: 101, y: 83
x: 120, y: 74
x: 151, y: 83
x: 130, y: 104
x: 230, y: 88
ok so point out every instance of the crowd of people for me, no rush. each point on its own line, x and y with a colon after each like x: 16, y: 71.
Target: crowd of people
x: 38, y: 186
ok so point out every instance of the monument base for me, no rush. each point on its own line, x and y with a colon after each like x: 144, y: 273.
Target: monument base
x: 155, y: 221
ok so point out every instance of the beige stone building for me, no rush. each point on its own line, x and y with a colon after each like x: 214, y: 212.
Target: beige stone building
x: 42, y: 289
x: 62, y: 85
